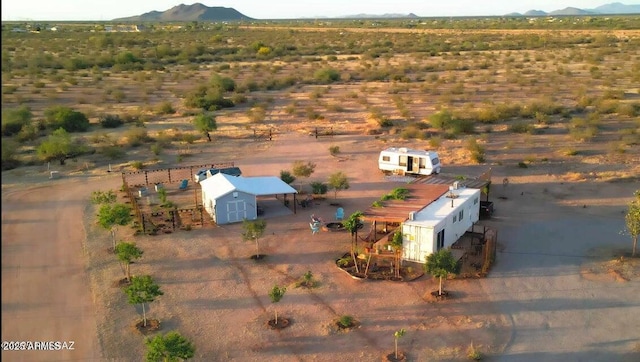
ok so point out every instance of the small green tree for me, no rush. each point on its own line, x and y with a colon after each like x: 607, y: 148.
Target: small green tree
x: 66, y: 118
x: 111, y: 215
x: 334, y: 150
x: 276, y: 294
x: 397, y: 335
x: 287, y: 177
x: 127, y: 253
x: 143, y: 290
x: 205, y: 123
x: 253, y: 230
x: 440, y: 264
x: 632, y: 221
x: 170, y: 347
x: 303, y: 169
x: 59, y: 146
x: 338, y: 181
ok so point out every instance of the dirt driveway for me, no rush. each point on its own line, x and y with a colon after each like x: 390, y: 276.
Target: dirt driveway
x: 45, y: 285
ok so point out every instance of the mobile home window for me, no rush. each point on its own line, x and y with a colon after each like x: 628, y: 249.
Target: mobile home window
x: 386, y: 158
x: 461, y: 215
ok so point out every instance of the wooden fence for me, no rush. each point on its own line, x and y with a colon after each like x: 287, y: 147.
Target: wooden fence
x: 168, y: 220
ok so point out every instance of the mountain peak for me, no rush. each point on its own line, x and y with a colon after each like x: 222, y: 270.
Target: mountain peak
x: 194, y: 12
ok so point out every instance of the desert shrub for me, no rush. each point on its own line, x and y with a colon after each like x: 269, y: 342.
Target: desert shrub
x: 441, y: 120
x: 345, y: 320
x: 319, y: 188
x: 521, y: 127
x: 14, y: 119
x: 136, y: 137
x: 138, y: 165
x: 165, y: 108
x: 28, y: 132
x: 435, y: 141
x: 111, y: 121
x: 629, y: 109
x: 66, y: 118
x: 581, y: 129
x: 9, y: 152
x: 326, y: 75
x: 606, y: 106
x: 522, y: 164
x: 545, y: 106
x: 113, y: 152
x: 459, y: 126
x: 477, y: 151
x: 334, y: 150
x: 473, y: 353
x: 411, y: 132
x: 156, y: 148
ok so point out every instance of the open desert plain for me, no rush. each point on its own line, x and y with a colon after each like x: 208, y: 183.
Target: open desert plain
x: 549, y: 114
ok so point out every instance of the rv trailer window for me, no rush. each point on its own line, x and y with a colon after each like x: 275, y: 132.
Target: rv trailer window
x: 435, y: 161
x: 475, y: 201
x: 386, y: 158
x: 461, y: 215
x: 455, y: 218
x: 403, y: 160
x: 423, y: 162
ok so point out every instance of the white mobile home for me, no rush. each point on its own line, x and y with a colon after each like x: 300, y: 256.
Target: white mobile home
x: 409, y: 161
x: 440, y: 224
x: 230, y: 199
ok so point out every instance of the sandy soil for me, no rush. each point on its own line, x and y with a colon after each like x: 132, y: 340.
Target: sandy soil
x: 555, y: 293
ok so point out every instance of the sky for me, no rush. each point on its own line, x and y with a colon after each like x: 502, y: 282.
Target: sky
x: 104, y: 10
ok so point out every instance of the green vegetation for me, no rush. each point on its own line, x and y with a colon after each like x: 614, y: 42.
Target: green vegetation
x: 127, y: 253
x: 276, y: 294
x: 142, y: 290
x: 440, y: 264
x: 346, y: 321
x: 338, y: 181
x: 169, y: 347
x: 253, y: 230
x: 632, y: 221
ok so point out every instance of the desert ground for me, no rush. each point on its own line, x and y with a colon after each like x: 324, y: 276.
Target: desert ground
x: 558, y: 119
x: 549, y: 296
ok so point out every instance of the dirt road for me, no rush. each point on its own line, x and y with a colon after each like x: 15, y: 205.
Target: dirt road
x: 45, y: 288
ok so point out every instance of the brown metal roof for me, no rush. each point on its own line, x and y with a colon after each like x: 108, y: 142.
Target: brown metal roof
x: 420, y: 195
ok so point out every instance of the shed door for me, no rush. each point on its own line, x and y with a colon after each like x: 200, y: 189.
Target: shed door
x: 236, y: 210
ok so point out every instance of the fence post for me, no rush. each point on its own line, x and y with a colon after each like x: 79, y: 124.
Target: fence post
x: 169, y: 173
x: 146, y: 178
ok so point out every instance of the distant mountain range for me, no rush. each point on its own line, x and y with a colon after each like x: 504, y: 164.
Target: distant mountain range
x: 200, y: 12
x: 608, y: 9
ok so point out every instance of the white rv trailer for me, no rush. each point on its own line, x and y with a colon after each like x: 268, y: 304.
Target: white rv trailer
x: 404, y: 160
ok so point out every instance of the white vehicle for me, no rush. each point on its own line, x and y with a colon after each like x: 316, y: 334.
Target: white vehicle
x: 404, y: 160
